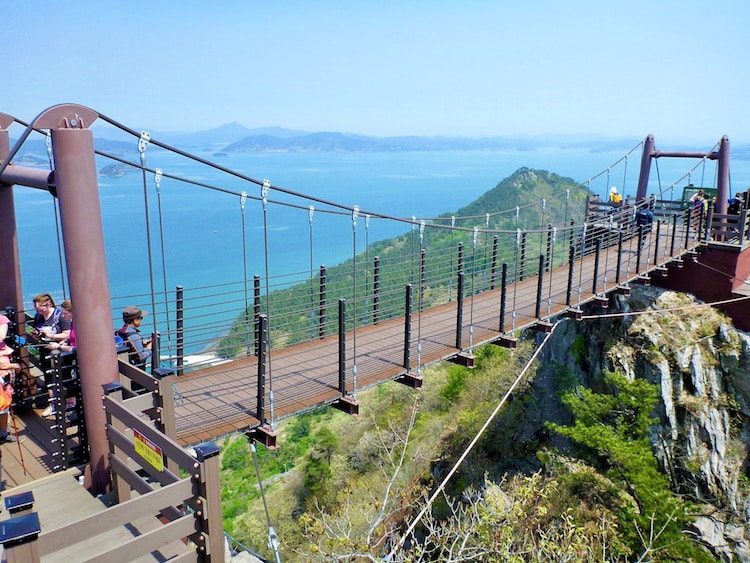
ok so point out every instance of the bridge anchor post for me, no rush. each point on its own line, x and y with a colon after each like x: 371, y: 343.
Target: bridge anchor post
x: 464, y: 359
x: 347, y: 405
x: 411, y: 379
x: 506, y: 341
x: 264, y: 435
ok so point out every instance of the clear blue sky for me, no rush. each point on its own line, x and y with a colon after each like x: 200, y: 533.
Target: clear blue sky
x: 677, y: 69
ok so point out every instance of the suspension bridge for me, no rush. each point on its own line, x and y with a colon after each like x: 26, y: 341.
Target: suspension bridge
x: 274, y: 342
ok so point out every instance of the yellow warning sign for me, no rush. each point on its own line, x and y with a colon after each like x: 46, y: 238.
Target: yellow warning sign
x: 148, y: 450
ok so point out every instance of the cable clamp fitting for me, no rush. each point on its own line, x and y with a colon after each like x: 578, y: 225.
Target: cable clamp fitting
x: 143, y: 141
x: 264, y: 189
x: 355, y: 214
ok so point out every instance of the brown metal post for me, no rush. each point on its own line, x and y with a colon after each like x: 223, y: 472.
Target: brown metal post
x: 11, y: 291
x: 722, y: 192
x: 80, y: 215
x: 648, y: 150
x: 210, y: 490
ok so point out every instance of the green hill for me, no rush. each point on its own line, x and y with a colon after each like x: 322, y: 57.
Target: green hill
x: 542, y: 199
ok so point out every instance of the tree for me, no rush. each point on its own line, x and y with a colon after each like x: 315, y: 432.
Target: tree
x: 613, y: 428
x: 360, y: 530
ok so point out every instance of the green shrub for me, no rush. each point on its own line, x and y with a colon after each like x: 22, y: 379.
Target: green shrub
x: 455, y: 384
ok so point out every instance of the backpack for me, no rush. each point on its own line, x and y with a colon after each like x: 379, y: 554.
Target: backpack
x: 734, y: 206
x: 644, y: 217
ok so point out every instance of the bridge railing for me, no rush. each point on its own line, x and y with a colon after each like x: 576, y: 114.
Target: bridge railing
x: 305, y: 305
x: 166, y: 497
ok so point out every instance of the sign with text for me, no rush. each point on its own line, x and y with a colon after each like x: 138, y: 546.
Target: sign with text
x: 148, y: 450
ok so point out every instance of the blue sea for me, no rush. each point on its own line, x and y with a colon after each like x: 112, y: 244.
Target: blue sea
x: 202, y: 226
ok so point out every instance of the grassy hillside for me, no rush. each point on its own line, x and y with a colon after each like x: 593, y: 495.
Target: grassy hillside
x: 345, y: 488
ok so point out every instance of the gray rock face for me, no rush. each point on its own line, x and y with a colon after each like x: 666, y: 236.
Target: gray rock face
x: 702, y: 365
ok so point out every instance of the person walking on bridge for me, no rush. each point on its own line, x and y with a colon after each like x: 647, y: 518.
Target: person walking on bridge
x: 614, y: 196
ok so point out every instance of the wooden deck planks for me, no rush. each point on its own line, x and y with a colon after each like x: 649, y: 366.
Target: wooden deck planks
x: 222, y: 399
x: 306, y: 375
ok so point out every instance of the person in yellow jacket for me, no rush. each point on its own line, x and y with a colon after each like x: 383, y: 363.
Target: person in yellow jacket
x: 614, y: 196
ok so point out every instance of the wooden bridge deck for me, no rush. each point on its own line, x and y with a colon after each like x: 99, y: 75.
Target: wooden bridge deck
x: 221, y: 399
x: 32, y: 458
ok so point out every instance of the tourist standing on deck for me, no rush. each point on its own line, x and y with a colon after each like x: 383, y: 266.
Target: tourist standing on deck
x: 51, y: 325
x: 64, y: 346
x: 734, y: 205
x: 50, y: 322
x: 130, y: 332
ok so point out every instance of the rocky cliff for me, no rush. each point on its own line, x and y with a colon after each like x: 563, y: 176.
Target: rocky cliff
x: 701, y: 364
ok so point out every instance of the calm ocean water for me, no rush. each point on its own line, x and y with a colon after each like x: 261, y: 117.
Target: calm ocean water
x: 203, y: 227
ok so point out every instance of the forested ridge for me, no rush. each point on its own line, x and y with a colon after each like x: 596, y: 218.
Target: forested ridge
x: 542, y: 198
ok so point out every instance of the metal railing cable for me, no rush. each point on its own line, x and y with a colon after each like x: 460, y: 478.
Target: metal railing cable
x: 157, y: 185
x: 355, y: 214
x: 142, y: 145
x: 265, y: 187
x: 246, y: 312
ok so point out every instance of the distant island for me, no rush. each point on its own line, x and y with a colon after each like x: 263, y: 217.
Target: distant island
x: 114, y: 170
x: 348, y: 142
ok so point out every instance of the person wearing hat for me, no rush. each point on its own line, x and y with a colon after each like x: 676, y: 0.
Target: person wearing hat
x: 614, y: 196
x: 130, y: 332
x: 7, y: 370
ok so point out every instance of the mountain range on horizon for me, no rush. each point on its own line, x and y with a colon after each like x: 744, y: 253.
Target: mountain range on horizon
x: 235, y: 137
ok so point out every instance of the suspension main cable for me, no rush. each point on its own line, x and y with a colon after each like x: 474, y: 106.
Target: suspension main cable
x: 413, y: 221
x: 277, y: 188
x: 399, y: 545
x: 668, y: 310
